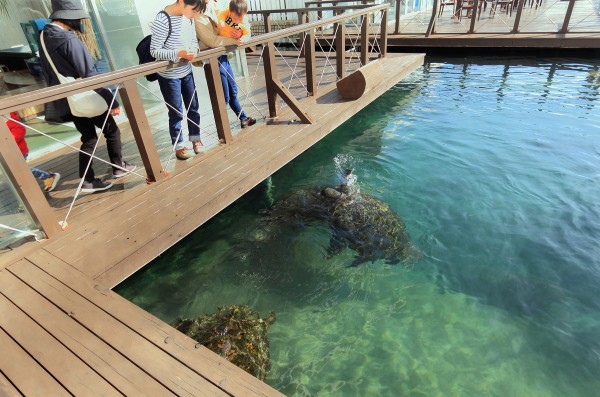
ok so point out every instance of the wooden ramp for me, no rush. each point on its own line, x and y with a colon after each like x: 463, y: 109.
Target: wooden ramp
x: 63, y: 332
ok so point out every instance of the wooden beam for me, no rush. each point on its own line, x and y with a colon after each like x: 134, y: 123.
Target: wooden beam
x: 515, y: 28
x: 565, y: 26
x: 217, y: 100
x: 132, y: 102
x: 431, y: 27
x: 270, y: 77
x: 26, y: 187
x: 311, y: 64
x: 398, y: 13
x: 384, y: 32
x: 364, y: 40
x: 267, y: 22
x: 340, y: 49
x: 292, y: 102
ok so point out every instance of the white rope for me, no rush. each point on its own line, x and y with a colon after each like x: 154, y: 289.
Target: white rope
x: 375, y: 39
x: 183, y: 122
x: 252, y: 84
x: 327, y: 57
x: 73, y: 147
x: 293, y: 71
x: 169, y: 105
x: 354, y: 44
x: 247, y: 96
x: 20, y: 231
x: 78, y: 191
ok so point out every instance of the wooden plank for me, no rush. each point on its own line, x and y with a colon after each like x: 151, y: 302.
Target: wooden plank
x: 210, y: 365
x: 110, y: 364
x: 78, y: 380
x: 175, y: 376
x: 24, y: 372
x: 6, y: 388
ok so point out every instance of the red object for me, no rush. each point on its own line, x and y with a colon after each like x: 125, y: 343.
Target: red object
x: 18, y: 132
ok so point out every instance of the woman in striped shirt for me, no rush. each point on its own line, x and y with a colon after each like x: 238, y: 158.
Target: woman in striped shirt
x: 168, y: 45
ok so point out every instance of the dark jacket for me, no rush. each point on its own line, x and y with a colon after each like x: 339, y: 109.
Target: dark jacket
x: 72, y: 59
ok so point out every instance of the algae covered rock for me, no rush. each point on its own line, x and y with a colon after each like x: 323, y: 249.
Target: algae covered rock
x: 235, y: 332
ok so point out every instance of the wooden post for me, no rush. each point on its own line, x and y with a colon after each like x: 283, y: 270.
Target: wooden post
x: 565, y: 27
x: 431, y: 26
x: 311, y: 63
x: 398, y: 13
x: 384, y: 34
x: 217, y: 100
x: 474, y: 14
x: 515, y: 28
x: 270, y: 76
x: 132, y: 102
x: 301, y: 36
x: 364, y: 40
x: 340, y: 49
x: 25, y: 185
x: 267, y: 21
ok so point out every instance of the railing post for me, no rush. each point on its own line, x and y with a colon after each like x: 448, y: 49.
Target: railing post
x: 565, y: 27
x: 132, y: 102
x: 301, y: 37
x: 340, y: 49
x: 25, y: 185
x: 398, y: 13
x: 267, y: 21
x: 474, y: 15
x: 270, y: 76
x: 431, y: 26
x: 515, y: 28
x: 364, y: 40
x: 384, y: 33
x: 217, y: 100
x: 311, y: 64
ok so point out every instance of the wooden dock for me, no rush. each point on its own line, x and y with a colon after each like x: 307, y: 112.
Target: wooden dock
x: 66, y: 333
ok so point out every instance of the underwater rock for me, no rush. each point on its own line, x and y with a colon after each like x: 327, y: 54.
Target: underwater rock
x: 235, y: 332
x: 357, y: 220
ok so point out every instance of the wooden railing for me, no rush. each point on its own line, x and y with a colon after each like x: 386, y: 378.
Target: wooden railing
x: 517, y: 7
x: 26, y: 186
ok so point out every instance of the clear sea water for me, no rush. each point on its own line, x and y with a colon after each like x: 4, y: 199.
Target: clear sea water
x: 494, y: 166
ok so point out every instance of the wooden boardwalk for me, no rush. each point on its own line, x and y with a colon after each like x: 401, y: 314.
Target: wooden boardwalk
x: 63, y: 331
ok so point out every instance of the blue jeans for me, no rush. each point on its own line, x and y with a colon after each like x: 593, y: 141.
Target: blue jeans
x: 39, y: 174
x: 230, y: 88
x: 172, y: 91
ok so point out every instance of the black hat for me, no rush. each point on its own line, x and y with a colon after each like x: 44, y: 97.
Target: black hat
x: 68, y: 9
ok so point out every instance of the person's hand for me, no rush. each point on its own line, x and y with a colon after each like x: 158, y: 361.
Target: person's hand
x: 236, y: 34
x: 115, y: 112
x: 185, y: 54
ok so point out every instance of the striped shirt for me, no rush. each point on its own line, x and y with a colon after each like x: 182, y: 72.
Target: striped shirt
x: 167, y: 50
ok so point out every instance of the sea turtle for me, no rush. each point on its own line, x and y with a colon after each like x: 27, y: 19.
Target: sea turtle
x: 236, y: 332
x: 357, y: 220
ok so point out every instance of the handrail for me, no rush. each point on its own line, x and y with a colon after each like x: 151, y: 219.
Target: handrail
x: 309, y: 9
x: 309, y: 26
x: 48, y: 94
x: 125, y: 79
x: 336, y: 2
x: 53, y: 93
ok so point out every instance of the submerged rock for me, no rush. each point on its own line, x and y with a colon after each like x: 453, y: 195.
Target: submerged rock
x: 357, y: 220
x: 235, y: 332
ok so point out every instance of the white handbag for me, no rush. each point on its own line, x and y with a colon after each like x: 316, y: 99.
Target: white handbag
x: 84, y: 104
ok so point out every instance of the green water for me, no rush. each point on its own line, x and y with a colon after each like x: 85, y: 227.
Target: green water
x: 494, y: 166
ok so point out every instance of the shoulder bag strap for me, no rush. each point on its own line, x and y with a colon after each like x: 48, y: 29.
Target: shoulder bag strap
x: 170, y: 27
x: 58, y: 75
